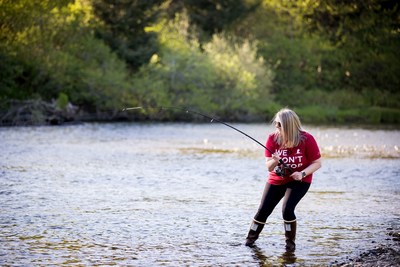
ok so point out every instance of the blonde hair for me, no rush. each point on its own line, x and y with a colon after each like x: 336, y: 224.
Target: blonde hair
x: 290, y: 133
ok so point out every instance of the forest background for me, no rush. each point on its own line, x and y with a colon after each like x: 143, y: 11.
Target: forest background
x: 333, y: 61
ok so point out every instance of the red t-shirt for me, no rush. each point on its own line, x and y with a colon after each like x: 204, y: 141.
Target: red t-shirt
x: 297, y: 158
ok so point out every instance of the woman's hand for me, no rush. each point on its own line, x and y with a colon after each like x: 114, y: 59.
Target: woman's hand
x: 276, y: 157
x: 272, y: 162
x: 315, y: 165
x: 297, y: 176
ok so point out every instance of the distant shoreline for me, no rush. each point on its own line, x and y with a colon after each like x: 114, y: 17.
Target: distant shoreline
x: 40, y: 113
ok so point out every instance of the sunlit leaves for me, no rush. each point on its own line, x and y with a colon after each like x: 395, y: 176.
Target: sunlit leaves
x: 57, y: 54
x: 19, y: 15
x: 223, y: 74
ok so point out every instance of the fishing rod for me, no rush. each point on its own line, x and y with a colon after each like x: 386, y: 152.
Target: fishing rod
x: 212, y: 120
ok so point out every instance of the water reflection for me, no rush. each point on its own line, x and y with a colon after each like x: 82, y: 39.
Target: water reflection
x: 259, y: 256
x: 285, y: 259
x: 288, y: 258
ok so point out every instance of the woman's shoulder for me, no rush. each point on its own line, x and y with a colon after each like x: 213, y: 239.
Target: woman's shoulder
x: 307, y: 136
x: 305, y: 133
x: 271, y: 140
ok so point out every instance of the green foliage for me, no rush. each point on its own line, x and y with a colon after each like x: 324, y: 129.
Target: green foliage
x: 383, y: 115
x: 16, y: 16
x: 333, y: 61
x: 212, y: 16
x: 62, y: 101
x: 389, y: 115
x: 367, y: 32
x: 299, y: 59
x: 326, y: 115
x: 343, y: 21
x: 123, y: 28
x: 220, y: 77
x: 10, y: 69
x: 316, y: 114
x: 62, y: 58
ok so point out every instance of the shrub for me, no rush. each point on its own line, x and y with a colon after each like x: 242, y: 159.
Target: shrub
x: 224, y: 76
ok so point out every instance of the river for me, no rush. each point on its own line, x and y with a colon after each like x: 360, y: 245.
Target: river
x: 183, y: 194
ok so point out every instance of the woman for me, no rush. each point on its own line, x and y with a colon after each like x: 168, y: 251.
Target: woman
x: 296, y: 157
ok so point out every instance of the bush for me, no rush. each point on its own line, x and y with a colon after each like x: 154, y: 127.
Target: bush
x: 224, y: 76
x: 385, y: 115
x: 373, y: 115
x: 61, y: 58
x: 62, y: 101
x: 316, y: 114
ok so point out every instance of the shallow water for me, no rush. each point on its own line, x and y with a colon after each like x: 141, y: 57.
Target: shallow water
x: 184, y: 195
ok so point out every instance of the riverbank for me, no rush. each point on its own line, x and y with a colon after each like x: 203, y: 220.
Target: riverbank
x: 39, y: 113
x: 383, y: 255
x: 57, y: 112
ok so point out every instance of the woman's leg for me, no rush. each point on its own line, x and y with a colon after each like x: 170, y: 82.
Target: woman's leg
x: 271, y: 197
x: 294, y: 193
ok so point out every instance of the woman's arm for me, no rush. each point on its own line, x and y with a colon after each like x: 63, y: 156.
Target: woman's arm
x: 272, y: 162
x: 313, y: 167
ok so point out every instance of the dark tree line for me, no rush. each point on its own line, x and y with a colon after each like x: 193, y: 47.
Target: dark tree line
x: 332, y: 60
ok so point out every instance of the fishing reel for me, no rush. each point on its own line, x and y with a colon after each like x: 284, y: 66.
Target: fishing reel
x: 281, y: 170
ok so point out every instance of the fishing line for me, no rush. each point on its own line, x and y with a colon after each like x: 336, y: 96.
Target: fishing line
x: 212, y: 119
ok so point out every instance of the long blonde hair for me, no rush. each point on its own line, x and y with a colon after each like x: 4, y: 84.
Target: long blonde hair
x: 290, y: 133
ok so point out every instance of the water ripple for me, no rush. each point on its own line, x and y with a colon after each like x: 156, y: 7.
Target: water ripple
x: 184, y: 195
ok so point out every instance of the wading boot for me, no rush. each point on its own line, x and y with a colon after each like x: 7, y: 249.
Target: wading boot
x: 290, y: 235
x: 255, y: 230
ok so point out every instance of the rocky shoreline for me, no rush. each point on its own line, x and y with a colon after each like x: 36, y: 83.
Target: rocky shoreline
x: 39, y: 112
x: 383, y: 255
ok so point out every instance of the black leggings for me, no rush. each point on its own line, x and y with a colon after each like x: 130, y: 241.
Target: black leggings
x: 293, y: 193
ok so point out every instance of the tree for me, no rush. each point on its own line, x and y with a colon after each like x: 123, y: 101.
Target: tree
x: 20, y: 20
x: 367, y: 32
x: 343, y: 20
x: 222, y: 76
x: 51, y: 52
x: 213, y: 16
x: 19, y: 15
x: 123, y: 28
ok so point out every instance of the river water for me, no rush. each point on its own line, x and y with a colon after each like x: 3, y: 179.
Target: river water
x: 181, y: 194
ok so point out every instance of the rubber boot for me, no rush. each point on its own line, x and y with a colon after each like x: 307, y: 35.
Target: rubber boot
x: 255, y: 230
x: 290, y: 235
